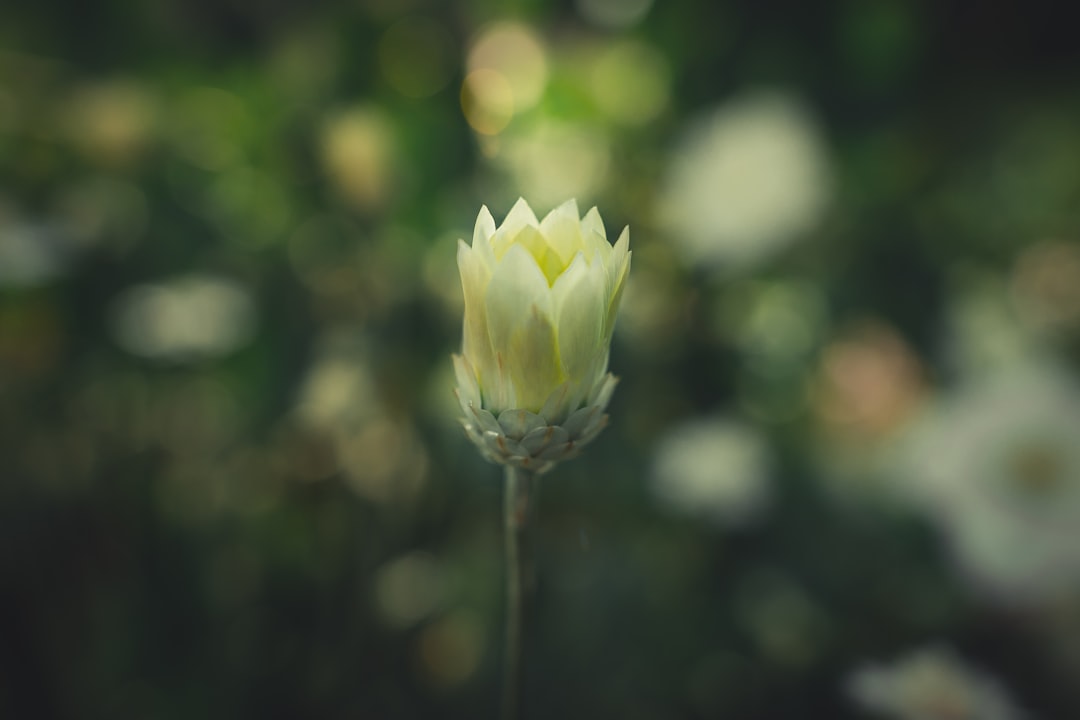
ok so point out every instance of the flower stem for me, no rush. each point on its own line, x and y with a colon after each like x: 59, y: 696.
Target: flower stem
x: 516, y: 520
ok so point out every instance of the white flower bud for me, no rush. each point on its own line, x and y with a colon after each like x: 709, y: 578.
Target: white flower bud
x: 540, y: 305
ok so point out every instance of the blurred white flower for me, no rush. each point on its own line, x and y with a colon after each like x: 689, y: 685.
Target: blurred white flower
x: 185, y: 318
x: 715, y: 468
x: 32, y: 254
x: 931, y: 684
x: 997, y: 466
x: 745, y: 181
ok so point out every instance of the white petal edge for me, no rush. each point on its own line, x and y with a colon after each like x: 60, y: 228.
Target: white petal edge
x: 476, y: 345
x: 483, y: 232
x: 520, y: 216
x: 592, y: 223
x: 468, y: 390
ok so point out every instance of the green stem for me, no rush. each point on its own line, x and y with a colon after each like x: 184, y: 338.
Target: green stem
x: 516, y: 521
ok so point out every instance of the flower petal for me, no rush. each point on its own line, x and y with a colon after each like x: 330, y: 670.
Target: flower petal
x: 543, y: 437
x: 617, y: 276
x: 534, y: 361
x: 547, y: 258
x: 579, y: 308
x: 483, y: 232
x: 503, y: 448
x: 555, y: 406
x: 519, y: 312
x: 578, y: 420
x: 519, y: 217
x: 561, y: 229
x: 603, y: 391
x: 484, y: 421
x: 594, y: 238
x: 518, y: 423
x: 467, y: 388
x: 476, y: 345
x: 618, y: 256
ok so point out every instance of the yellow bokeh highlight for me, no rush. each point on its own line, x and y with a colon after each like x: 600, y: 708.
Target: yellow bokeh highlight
x: 111, y: 122
x: 507, y: 73
x: 517, y: 53
x: 357, y: 152
x: 487, y: 101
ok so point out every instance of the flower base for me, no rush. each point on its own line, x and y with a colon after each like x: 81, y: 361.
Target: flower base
x: 525, y: 440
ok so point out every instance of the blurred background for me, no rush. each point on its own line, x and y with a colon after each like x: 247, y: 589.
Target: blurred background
x: 842, y: 474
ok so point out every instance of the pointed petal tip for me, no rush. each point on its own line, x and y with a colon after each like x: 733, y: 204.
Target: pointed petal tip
x: 522, y: 206
x: 604, y: 391
x: 568, y: 209
x: 570, y: 204
x: 593, y: 225
x: 485, y: 225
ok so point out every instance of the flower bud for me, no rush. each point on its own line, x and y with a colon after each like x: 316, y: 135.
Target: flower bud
x: 540, y: 305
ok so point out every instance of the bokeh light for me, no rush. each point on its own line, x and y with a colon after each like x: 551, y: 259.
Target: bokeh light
x: 408, y: 589
x: 186, y: 318
x: 746, y: 180
x: 932, y: 683
x: 507, y: 72
x: 487, y: 99
x: 717, y: 468
x: 112, y: 122
x: 516, y: 52
x: 357, y: 151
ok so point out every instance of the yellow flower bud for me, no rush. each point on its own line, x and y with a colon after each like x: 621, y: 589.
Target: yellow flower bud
x: 540, y: 305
